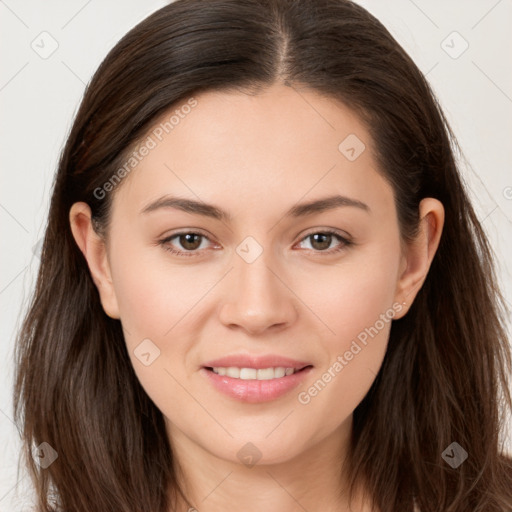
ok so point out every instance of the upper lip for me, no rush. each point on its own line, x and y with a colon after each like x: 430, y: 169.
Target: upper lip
x: 257, y: 362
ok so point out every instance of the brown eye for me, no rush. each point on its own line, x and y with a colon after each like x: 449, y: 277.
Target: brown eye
x: 321, y: 241
x: 189, y: 241
x: 185, y: 244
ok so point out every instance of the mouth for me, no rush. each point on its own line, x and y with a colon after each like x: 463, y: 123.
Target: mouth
x: 247, y: 373
x: 255, y: 379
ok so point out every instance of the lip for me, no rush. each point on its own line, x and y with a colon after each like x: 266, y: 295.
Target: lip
x: 253, y: 390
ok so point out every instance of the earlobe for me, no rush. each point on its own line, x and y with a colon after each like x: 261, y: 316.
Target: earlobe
x: 94, y: 250
x: 419, y: 254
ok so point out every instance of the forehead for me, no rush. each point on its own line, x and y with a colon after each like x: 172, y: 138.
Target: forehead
x: 275, y: 146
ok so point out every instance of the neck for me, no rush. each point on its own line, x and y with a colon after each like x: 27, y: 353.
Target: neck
x: 313, y: 480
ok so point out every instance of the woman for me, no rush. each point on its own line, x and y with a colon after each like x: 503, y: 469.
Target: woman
x: 262, y: 282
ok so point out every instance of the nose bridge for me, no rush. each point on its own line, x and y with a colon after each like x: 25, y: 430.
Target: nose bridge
x: 257, y: 299
x: 256, y: 282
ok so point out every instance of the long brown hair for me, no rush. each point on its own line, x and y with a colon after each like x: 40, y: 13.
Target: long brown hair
x: 444, y: 376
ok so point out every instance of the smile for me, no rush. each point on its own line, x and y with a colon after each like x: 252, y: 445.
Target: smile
x: 253, y: 385
x: 254, y: 373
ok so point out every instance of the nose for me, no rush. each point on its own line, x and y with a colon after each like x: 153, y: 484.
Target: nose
x: 257, y: 298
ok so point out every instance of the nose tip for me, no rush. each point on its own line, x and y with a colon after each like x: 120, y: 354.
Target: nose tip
x: 256, y: 314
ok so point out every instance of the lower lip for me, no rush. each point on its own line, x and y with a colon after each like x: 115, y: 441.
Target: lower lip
x: 253, y: 390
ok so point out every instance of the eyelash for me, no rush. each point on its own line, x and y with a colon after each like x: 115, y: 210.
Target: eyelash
x: 344, y: 245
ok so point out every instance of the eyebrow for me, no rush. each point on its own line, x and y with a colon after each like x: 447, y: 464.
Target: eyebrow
x: 209, y: 210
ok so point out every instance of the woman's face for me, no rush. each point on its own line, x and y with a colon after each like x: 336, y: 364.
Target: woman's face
x: 260, y: 278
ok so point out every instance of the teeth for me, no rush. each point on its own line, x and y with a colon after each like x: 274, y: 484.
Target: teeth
x: 279, y: 372
x: 253, y: 373
x: 248, y: 373
x: 233, y: 372
x: 265, y: 374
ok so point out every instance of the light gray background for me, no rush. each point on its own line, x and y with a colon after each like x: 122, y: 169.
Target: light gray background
x: 39, y: 96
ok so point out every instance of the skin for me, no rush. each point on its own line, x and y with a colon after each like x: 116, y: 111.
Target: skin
x: 256, y: 156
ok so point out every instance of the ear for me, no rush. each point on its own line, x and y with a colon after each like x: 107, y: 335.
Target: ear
x: 94, y: 250
x: 418, y: 255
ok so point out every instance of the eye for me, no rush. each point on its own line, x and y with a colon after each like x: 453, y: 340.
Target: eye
x: 190, y: 241
x: 321, y: 241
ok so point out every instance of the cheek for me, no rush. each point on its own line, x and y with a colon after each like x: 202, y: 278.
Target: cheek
x: 350, y: 296
x: 161, y: 303
x: 156, y: 306
x: 152, y: 294
x: 356, y: 304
